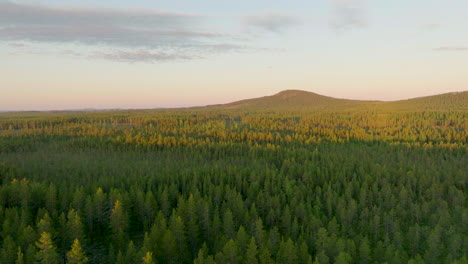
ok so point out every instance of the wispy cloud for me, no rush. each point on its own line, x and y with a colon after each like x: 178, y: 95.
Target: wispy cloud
x: 451, y: 48
x: 17, y: 45
x: 99, y: 26
x: 143, y: 56
x: 116, y: 36
x: 155, y: 35
x: 348, y: 14
x: 270, y: 21
x: 20, y: 14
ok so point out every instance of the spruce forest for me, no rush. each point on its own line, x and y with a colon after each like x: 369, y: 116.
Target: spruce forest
x: 290, y: 178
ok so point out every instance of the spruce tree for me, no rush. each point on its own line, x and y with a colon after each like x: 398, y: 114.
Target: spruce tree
x: 343, y: 258
x: 118, y: 223
x: 74, y: 227
x: 148, y: 258
x: 321, y: 258
x: 364, y: 252
x: 230, y: 252
x: 76, y: 254
x: 19, y: 257
x: 265, y: 257
x: 251, y: 253
x: 287, y: 253
x: 47, y: 253
x: 9, y: 250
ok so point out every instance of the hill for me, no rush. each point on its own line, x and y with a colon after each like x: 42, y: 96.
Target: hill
x: 295, y: 100
x: 303, y: 100
x: 448, y: 101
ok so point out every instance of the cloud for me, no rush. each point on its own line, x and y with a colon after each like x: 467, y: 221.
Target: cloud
x: 107, y: 35
x: 143, y: 56
x: 17, y: 45
x: 99, y: 26
x: 18, y: 14
x: 451, y: 48
x: 154, y: 35
x: 273, y: 22
x: 69, y: 52
x: 348, y: 14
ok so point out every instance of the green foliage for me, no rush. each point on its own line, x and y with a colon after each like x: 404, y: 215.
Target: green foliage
x: 287, y: 253
x: 8, y: 252
x: 74, y: 227
x: 343, y: 258
x: 118, y: 223
x: 47, y: 253
x: 76, y: 254
x: 240, y: 185
x: 19, y: 257
x: 251, y: 253
x: 148, y: 258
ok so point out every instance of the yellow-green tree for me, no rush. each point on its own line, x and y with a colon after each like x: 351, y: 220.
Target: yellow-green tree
x: 47, y: 253
x: 118, y: 222
x: 148, y: 258
x: 76, y: 255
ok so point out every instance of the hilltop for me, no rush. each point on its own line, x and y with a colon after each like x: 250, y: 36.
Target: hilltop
x: 304, y: 100
x: 294, y: 99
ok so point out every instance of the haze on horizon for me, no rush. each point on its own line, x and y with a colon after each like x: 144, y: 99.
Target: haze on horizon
x: 146, y: 54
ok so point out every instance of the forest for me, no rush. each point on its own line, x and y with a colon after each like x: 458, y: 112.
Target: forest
x: 234, y: 185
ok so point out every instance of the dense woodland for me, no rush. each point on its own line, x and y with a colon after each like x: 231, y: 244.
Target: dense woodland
x: 234, y: 186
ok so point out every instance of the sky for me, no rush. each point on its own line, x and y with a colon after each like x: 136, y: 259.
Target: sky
x: 75, y: 54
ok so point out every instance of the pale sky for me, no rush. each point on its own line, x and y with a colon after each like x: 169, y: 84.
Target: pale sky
x: 73, y: 54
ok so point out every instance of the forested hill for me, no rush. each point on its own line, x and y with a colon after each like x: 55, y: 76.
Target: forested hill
x: 457, y: 101
x: 303, y: 100
x: 295, y: 99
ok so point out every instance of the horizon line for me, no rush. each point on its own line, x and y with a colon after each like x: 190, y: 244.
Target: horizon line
x: 92, y: 109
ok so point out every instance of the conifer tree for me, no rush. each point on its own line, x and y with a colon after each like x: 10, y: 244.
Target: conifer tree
x: 47, y: 253
x: 321, y: 258
x: 287, y: 253
x: 242, y: 239
x: 433, y: 252
x: 45, y: 224
x: 303, y: 253
x: 76, y: 254
x: 28, y: 236
x: 251, y: 253
x: 120, y: 258
x: 8, y: 252
x: 74, y: 226
x: 131, y: 253
x: 176, y: 225
x: 416, y: 260
x: 228, y: 224
x: 364, y: 252
x: 259, y: 233
x: 148, y: 258
x: 192, y: 225
x: 265, y: 257
x: 118, y: 223
x: 19, y: 257
x: 230, y: 252
x: 343, y: 258
x: 200, y: 259
x: 30, y: 254
x: 169, y: 247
